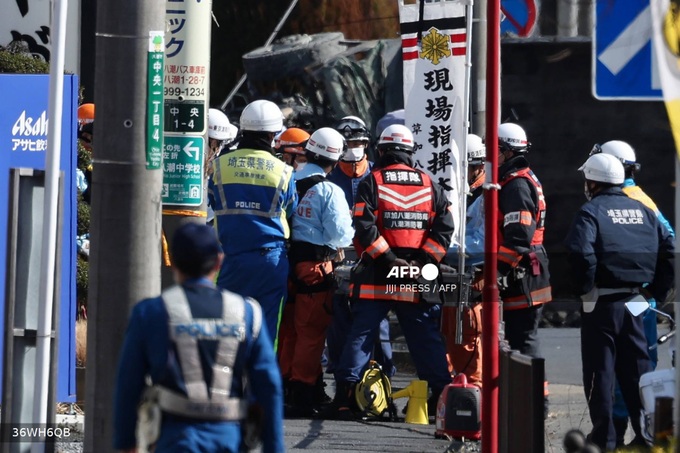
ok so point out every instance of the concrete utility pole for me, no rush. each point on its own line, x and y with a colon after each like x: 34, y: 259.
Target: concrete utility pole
x: 478, y: 91
x: 126, y: 199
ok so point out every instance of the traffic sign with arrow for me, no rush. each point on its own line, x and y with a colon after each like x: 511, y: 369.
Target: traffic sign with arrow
x: 623, y: 57
x: 183, y: 181
x: 192, y: 151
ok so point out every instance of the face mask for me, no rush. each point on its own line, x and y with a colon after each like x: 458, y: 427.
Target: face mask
x: 300, y: 165
x: 586, y: 191
x: 354, y: 154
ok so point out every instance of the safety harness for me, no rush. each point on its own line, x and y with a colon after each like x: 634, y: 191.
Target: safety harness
x: 215, y: 402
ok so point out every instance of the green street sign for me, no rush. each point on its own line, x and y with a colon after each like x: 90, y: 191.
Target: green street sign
x: 184, y: 116
x: 183, y: 170
x: 154, y: 101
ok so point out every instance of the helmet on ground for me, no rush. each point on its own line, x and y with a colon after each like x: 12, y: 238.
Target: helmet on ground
x: 219, y: 126
x: 396, y: 137
x: 512, y: 137
x: 619, y: 149
x: 326, y: 142
x: 86, y: 113
x: 603, y: 167
x: 353, y: 128
x: 476, y: 151
x: 261, y: 116
x: 293, y: 140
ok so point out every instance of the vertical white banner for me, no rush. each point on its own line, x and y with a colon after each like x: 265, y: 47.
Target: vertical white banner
x: 434, y: 90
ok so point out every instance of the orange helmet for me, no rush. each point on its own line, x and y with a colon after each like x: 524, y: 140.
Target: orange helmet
x: 293, y: 140
x: 86, y: 113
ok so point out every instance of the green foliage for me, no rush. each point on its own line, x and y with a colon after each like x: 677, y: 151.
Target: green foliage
x: 82, y: 280
x: 83, y: 216
x: 84, y: 157
x: 21, y: 63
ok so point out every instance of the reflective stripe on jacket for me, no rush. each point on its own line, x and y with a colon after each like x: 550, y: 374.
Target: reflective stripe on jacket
x: 252, y: 194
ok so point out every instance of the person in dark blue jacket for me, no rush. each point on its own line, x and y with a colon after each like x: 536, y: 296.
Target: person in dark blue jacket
x: 617, y: 249
x: 199, y: 345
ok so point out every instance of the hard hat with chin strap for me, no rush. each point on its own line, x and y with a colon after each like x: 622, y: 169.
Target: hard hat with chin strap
x: 604, y: 168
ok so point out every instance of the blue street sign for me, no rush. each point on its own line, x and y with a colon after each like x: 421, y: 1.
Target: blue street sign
x: 623, y: 60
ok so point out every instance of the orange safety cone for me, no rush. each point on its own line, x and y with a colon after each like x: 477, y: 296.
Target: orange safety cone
x: 416, y: 412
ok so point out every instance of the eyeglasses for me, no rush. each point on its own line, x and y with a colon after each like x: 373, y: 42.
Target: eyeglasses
x: 597, y: 149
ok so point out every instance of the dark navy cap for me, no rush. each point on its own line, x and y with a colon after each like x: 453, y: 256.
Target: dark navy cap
x: 194, y: 249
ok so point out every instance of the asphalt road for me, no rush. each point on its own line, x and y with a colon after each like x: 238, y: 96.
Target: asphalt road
x: 568, y: 410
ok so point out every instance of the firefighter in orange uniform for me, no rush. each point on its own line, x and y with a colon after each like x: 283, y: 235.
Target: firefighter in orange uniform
x: 401, y: 220
x: 523, y: 276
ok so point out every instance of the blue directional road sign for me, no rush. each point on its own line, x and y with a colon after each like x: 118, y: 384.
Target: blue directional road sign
x: 624, y: 66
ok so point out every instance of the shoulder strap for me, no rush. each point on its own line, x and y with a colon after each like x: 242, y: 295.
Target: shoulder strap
x: 304, y: 184
x: 179, y: 312
x: 233, y: 313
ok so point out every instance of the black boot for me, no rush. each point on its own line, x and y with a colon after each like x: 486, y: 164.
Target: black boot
x: 321, y: 398
x: 620, y: 426
x: 343, y: 406
x: 301, y: 405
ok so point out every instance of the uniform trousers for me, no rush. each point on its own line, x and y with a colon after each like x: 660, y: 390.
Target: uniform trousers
x: 613, y: 347
x: 263, y: 275
x: 339, y: 330
x: 419, y: 323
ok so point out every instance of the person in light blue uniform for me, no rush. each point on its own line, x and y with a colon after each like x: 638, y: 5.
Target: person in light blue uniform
x: 183, y: 340
x: 322, y: 225
x: 626, y: 154
x: 253, y: 194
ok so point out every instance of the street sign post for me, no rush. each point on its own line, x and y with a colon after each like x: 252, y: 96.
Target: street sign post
x: 183, y: 170
x: 623, y: 57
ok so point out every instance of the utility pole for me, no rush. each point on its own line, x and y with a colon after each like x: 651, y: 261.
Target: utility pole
x: 478, y: 91
x: 126, y: 198
x: 187, y: 57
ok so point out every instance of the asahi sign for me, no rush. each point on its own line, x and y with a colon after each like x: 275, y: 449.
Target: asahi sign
x: 29, y: 132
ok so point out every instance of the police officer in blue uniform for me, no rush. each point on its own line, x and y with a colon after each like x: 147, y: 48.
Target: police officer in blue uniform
x: 198, y: 345
x: 626, y: 154
x: 617, y: 248
x: 253, y: 195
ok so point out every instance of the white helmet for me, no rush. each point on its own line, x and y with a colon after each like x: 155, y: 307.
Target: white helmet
x: 219, y: 126
x: 353, y: 128
x: 261, y: 116
x: 619, y: 149
x: 396, y: 137
x: 512, y: 137
x: 326, y: 142
x: 603, y: 167
x: 476, y: 151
